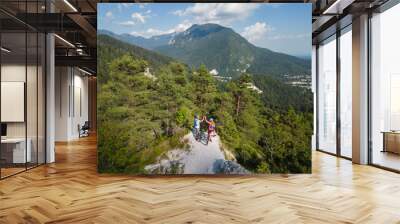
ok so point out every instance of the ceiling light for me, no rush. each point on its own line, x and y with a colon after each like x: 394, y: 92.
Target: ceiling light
x: 64, y: 40
x: 79, y: 51
x: 70, y: 5
x: 338, y: 6
x: 5, y: 50
x: 86, y: 72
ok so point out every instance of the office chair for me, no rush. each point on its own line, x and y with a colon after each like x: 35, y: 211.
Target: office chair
x: 84, y: 130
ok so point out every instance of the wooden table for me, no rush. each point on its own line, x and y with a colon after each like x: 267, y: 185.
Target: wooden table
x: 391, y: 141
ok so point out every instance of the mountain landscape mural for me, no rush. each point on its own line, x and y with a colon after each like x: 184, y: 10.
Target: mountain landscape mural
x: 203, y: 98
x: 222, y: 49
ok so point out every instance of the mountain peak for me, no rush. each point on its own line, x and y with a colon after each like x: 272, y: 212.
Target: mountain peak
x: 205, y: 26
x: 200, y: 30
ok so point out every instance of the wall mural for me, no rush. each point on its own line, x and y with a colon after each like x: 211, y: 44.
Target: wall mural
x: 204, y: 88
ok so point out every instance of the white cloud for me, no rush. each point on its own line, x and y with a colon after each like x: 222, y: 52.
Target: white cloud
x: 182, y: 26
x: 275, y: 5
x: 109, y: 14
x: 148, y: 33
x: 178, y: 13
x: 155, y: 32
x: 123, y: 5
x: 256, y: 31
x: 289, y: 36
x: 222, y: 13
x: 142, y: 5
x: 139, y: 17
x: 127, y: 23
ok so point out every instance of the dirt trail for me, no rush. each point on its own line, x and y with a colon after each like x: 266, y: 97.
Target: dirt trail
x: 199, y: 158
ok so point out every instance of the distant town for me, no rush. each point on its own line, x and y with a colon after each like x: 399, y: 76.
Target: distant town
x: 302, y: 80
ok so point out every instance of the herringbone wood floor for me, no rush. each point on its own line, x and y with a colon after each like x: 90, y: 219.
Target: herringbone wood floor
x: 70, y: 191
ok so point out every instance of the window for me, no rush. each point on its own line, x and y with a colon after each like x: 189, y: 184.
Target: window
x: 22, y: 88
x: 385, y: 89
x: 327, y: 95
x: 346, y: 92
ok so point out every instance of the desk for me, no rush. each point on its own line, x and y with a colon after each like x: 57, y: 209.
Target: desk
x: 13, y: 150
x: 391, y: 141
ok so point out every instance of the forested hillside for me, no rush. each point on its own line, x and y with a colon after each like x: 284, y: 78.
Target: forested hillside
x: 281, y: 96
x: 141, y: 118
x: 276, y: 94
x: 112, y: 48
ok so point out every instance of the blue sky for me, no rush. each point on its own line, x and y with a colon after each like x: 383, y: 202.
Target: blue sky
x: 279, y: 27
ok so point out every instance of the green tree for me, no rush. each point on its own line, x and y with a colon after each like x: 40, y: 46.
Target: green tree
x: 204, y: 89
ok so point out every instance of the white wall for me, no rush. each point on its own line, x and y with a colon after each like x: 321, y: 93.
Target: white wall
x: 62, y: 81
x: 16, y: 73
x: 80, y: 110
x: 71, y: 102
x: 9, y: 73
x: 13, y: 72
x: 13, y: 101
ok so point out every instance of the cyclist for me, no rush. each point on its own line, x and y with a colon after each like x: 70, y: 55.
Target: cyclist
x: 196, y: 127
x: 211, y: 128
